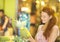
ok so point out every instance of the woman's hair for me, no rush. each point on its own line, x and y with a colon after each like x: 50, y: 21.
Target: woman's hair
x: 1, y: 10
x: 3, y: 17
x: 51, y: 23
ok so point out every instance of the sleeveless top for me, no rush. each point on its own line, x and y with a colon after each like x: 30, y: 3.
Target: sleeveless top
x: 39, y: 36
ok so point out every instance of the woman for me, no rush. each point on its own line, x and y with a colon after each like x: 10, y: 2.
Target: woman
x: 48, y: 30
x: 3, y: 20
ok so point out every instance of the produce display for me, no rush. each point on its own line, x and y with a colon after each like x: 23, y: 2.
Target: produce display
x: 24, y: 33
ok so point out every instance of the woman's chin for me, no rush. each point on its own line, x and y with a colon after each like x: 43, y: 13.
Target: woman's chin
x: 43, y: 22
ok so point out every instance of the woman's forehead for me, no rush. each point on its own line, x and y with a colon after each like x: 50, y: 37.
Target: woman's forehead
x: 44, y: 13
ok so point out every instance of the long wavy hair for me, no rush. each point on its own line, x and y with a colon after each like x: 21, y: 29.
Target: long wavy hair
x: 51, y: 23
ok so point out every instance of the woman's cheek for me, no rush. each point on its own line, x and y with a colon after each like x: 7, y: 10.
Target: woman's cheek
x: 46, y: 20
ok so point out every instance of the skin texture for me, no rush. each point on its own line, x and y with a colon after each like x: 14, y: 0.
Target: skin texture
x: 5, y: 23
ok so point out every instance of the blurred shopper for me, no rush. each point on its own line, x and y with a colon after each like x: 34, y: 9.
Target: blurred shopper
x: 48, y: 30
x: 3, y: 21
x: 33, y: 28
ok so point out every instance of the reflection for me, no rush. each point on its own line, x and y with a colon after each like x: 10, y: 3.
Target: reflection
x: 54, y: 8
x: 59, y: 0
x: 37, y: 2
x: 26, y: 9
x: 23, y: 0
x: 42, y: 3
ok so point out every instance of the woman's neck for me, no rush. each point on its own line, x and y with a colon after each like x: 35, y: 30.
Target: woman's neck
x: 45, y: 26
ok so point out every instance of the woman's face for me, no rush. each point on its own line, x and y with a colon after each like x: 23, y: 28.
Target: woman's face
x: 1, y: 14
x: 44, y: 17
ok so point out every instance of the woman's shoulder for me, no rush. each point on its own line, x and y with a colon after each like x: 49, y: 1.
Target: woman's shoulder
x: 56, y: 28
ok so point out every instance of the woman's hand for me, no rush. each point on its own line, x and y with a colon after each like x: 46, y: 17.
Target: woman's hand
x: 3, y: 27
x: 31, y: 39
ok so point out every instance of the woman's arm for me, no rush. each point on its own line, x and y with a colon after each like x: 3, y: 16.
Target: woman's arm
x: 31, y: 39
x: 54, y: 34
x: 5, y: 23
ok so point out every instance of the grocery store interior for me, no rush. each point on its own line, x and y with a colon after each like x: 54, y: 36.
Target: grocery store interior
x: 30, y: 15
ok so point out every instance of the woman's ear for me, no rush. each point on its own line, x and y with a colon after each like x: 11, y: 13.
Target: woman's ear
x: 50, y: 17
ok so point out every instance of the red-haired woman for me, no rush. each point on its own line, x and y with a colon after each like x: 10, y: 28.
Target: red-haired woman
x: 48, y: 30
